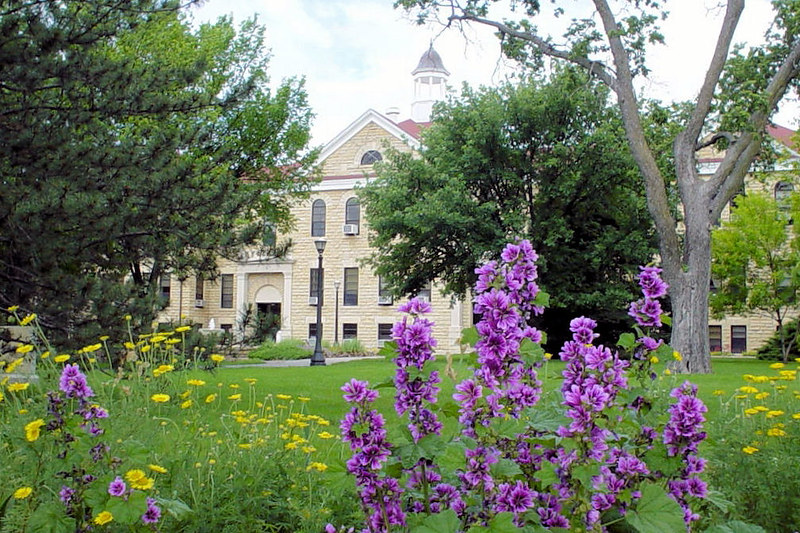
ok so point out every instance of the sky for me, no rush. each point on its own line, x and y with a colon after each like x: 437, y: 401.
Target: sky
x: 359, y: 54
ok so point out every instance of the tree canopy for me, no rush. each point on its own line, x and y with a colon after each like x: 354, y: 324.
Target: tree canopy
x: 131, y: 145
x: 740, y: 91
x: 544, y: 160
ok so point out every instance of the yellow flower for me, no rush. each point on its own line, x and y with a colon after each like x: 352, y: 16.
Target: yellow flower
x: 22, y: 493
x: 181, y: 329
x: 212, y: 461
x: 796, y: 416
x: 283, y: 397
x: 28, y: 319
x: 251, y: 381
x: 45, y: 354
x: 61, y: 358
x: 157, y: 468
x: 677, y: 355
x: 245, y: 445
x: 750, y: 450
x: 308, y: 449
x: 129, y: 345
x: 326, y: 435
x: 747, y: 389
x: 210, y: 398
x: 760, y: 408
x: 719, y: 392
x: 187, y: 404
x: 12, y: 308
x: 234, y: 385
x: 104, y: 517
x: 160, y: 398
x: 128, y: 318
x: 196, y: 382
x: 91, y: 348
x: 13, y: 365
x: 235, y: 397
x: 761, y: 395
x: 751, y: 411
x: 138, y: 479
x: 667, y: 372
x: 217, y: 358
x: 773, y: 414
x: 304, y: 398
x: 24, y: 348
x: 16, y: 387
x: 776, y: 365
x: 33, y: 429
x: 319, y: 467
x: 548, y: 356
x: 146, y: 348
x: 776, y: 432
x: 163, y: 369
x: 172, y: 341
x: 2, y: 396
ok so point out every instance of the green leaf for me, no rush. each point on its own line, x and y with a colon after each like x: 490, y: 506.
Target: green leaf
x: 389, y: 350
x: 127, y: 512
x: 547, y: 474
x: 627, y: 341
x: 500, y: 523
x: 175, y: 508
x: 718, y: 500
x: 50, y: 518
x: 505, y: 468
x: 664, y: 352
x: 542, y: 299
x: 655, y: 512
x: 469, y: 336
x: 736, y: 526
x: 438, y: 523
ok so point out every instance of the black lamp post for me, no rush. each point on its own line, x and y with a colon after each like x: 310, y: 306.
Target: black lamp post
x: 336, y: 322
x: 318, y: 358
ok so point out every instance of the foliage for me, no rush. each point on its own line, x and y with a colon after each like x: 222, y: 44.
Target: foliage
x: 256, y: 326
x: 741, y: 89
x: 539, y: 159
x: 287, y: 349
x: 772, y: 350
x: 159, y: 448
x: 756, y: 428
x: 348, y: 347
x: 134, y: 146
x: 614, y: 453
x: 755, y: 262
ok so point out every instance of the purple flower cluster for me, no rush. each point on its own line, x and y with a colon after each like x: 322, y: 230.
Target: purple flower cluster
x: 153, y: 512
x: 364, y: 429
x: 74, y: 385
x: 506, y: 293
x: 647, y: 311
x: 415, y: 345
x: 682, y: 435
x: 117, y: 487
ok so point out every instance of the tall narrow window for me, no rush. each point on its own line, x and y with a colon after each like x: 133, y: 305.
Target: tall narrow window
x: 164, y: 286
x: 352, y: 211
x: 425, y: 292
x: 384, y: 293
x: 351, y: 286
x: 783, y: 193
x: 312, y: 332
x: 738, y: 339
x: 715, y: 338
x: 199, y: 286
x: 226, y: 297
x: 317, y: 280
x: 384, y: 333
x: 318, y: 218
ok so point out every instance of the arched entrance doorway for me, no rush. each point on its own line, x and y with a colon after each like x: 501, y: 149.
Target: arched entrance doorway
x: 268, y: 311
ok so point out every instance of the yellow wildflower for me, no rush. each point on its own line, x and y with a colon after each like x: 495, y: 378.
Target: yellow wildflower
x: 718, y: 392
x: 667, y: 372
x: 283, y: 397
x: 104, y: 517
x: 210, y: 398
x: 13, y: 365
x: 217, y: 358
x: 747, y: 389
x: 304, y: 398
x: 776, y: 432
x: 761, y: 408
x: 33, y: 429
x: 677, y: 355
x: 308, y: 449
x: 761, y: 395
x: 654, y: 359
x: 196, y: 382
x: 187, y: 404
x: 63, y: 358
x: 129, y: 345
x: 45, y: 354
x: 234, y: 385
x: 146, y: 348
x: 138, y: 479
x: 773, y: 414
x: 325, y: 435
x: 245, y: 445
x: 160, y: 398
x: 751, y: 411
x: 24, y: 348
x: 91, y: 348
x: 235, y: 397
x: 796, y: 416
x: 157, y: 468
x: 172, y: 341
x: 22, y: 493
x: 28, y: 319
x: 750, y: 450
x: 319, y: 467
x: 17, y: 387
x: 776, y: 365
x: 185, y: 394
x: 181, y: 329
x: 12, y: 308
x: 128, y: 318
x: 251, y: 381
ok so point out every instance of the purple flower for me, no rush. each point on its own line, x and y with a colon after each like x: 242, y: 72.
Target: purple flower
x: 651, y: 283
x: 153, y: 512
x: 415, y: 306
x: 117, y: 487
x: 73, y: 383
x: 516, y: 498
x: 356, y: 391
x: 66, y: 494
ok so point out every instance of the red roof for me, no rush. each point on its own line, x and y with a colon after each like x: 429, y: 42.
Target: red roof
x: 412, y: 128
x: 781, y: 134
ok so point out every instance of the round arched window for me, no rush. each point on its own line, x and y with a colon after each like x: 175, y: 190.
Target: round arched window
x: 370, y: 157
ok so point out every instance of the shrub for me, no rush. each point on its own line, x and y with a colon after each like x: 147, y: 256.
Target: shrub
x: 771, y: 351
x: 348, y: 347
x: 287, y: 349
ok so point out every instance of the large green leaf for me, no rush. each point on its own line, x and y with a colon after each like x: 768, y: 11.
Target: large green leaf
x: 655, y: 512
x: 736, y: 526
x: 445, y: 521
x: 50, y: 518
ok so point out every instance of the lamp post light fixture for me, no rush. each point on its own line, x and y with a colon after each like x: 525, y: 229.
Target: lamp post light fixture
x: 336, y: 285
x: 318, y: 358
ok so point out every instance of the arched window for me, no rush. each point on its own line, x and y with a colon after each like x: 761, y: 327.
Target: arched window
x: 370, y: 157
x: 352, y: 211
x: 783, y: 190
x: 318, y: 218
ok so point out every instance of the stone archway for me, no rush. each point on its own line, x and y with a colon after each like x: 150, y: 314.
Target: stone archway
x: 268, y: 301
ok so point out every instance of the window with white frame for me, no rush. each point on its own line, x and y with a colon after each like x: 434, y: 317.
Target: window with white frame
x: 350, y: 286
x: 318, y: 218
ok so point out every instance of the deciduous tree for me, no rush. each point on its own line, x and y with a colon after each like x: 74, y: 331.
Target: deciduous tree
x: 734, y: 104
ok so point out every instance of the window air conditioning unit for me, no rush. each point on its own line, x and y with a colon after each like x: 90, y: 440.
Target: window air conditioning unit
x: 424, y: 298
x: 312, y: 300
x: 350, y: 229
x: 199, y: 303
x: 385, y: 300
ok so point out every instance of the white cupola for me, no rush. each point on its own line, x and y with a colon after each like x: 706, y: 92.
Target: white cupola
x: 430, y: 78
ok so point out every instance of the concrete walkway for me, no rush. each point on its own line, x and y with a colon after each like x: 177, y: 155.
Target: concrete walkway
x: 302, y: 362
